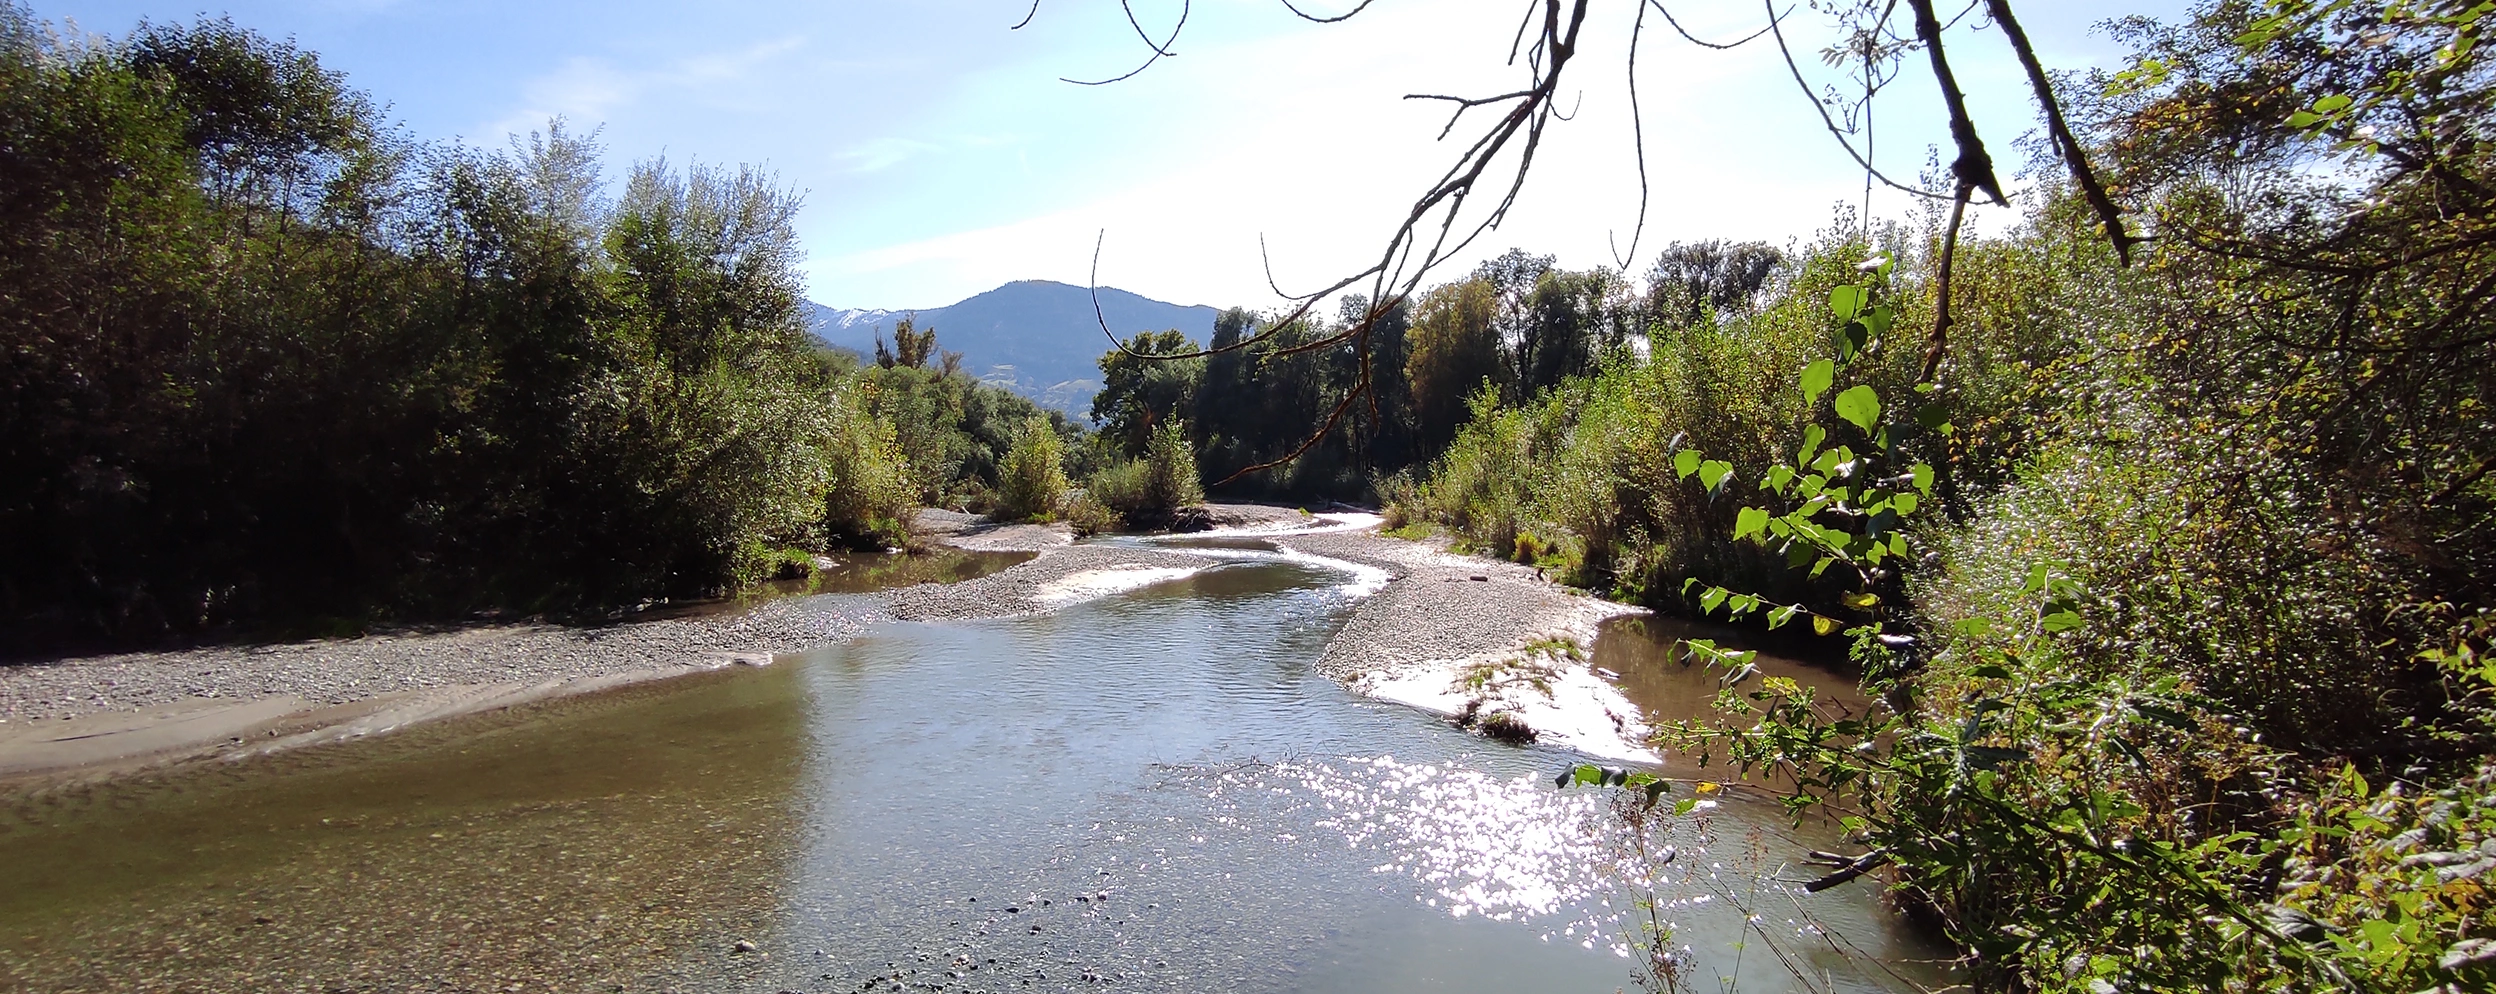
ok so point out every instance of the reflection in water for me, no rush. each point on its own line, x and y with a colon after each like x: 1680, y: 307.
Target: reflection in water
x: 1669, y: 684
x: 1153, y: 791
x: 863, y: 573
x: 590, y: 842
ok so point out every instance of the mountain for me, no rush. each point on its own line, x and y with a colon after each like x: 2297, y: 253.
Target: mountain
x: 1035, y: 337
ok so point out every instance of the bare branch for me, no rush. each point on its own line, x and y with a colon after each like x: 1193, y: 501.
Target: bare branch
x: 1973, y: 167
x: 1159, y: 50
x: 1345, y: 16
x: 1939, y: 341
x: 1638, y: 139
x: 2073, y: 155
x: 1829, y: 122
x: 1773, y: 17
x: 1027, y: 16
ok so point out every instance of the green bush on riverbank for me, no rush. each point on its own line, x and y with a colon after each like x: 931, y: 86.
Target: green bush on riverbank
x: 269, y: 359
x: 2184, y: 643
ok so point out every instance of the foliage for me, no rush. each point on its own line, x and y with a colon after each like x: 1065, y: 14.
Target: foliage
x: 267, y: 360
x: 1138, y: 394
x: 1033, y: 477
x: 954, y: 431
x: 1145, y: 491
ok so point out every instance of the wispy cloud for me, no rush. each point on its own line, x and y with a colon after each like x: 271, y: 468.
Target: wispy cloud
x: 879, y: 154
x: 591, y: 90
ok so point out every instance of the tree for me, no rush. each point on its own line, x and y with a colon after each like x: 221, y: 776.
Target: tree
x: 1455, y: 352
x: 1139, y: 391
x: 1688, y: 280
x: 912, y: 347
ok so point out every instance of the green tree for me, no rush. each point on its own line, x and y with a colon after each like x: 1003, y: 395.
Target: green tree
x: 1139, y: 393
x: 1454, y: 350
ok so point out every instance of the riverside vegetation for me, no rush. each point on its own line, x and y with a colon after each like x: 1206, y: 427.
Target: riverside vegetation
x: 2171, y: 577
x: 269, y: 362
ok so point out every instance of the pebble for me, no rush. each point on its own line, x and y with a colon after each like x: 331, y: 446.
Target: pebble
x: 337, y: 671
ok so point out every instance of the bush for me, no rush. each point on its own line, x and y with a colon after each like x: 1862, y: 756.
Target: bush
x: 1032, y: 481
x: 1088, y: 516
x: 1146, y: 491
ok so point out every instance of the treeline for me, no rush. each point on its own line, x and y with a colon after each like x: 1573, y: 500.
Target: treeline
x: 262, y: 358
x: 1514, y: 329
x: 2174, y: 583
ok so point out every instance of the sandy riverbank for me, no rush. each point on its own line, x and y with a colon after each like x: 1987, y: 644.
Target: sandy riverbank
x: 1427, y: 617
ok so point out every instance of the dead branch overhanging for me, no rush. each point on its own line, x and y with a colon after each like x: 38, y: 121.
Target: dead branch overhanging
x: 1159, y: 51
x: 1773, y: 17
x: 2074, y: 156
x: 1973, y: 166
x: 1774, y: 29
x: 1345, y: 16
x: 1397, y: 275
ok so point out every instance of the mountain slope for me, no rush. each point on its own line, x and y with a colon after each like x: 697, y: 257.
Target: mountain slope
x: 1036, y: 337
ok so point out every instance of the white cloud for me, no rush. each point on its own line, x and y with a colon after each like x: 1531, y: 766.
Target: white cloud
x: 880, y: 153
x: 590, y: 91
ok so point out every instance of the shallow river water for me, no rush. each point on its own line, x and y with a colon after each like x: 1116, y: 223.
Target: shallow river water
x: 1152, y: 792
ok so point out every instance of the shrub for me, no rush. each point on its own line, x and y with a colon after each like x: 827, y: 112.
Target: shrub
x: 1145, y: 491
x: 1032, y: 482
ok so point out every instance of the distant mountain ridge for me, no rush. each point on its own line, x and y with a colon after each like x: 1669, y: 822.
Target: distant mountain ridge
x: 1038, y: 338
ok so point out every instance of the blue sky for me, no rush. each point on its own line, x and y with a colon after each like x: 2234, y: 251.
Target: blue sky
x: 940, y: 155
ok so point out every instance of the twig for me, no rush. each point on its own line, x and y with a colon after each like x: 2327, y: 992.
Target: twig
x: 1829, y: 122
x: 1159, y: 50
x: 1864, y: 864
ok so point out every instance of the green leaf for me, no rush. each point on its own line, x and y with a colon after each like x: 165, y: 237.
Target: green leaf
x: 2332, y: 104
x: 1861, y: 600
x: 1685, y: 806
x: 2303, y: 119
x: 1779, y: 477
x: 2164, y: 716
x: 2129, y: 751
x: 1686, y: 462
x: 1923, y: 478
x: 1821, y: 625
x: 1713, y: 597
x: 1715, y: 472
x: 1990, y: 671
x: 1812, y: 437
x: 1816, y: 380
x: 1847, y: 301
x: 1778, y: 617
x: 1750, y: 522
x: 1861, y: 405
x: 1877, y: 320
x: 1904, y: 503
x: 2060, y: 621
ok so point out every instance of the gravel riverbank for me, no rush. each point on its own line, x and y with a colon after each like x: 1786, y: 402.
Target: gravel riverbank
x: 1433, y: 614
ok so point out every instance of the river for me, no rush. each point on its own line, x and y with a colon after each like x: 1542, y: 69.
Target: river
x: 1150, y: 791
